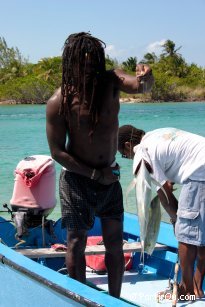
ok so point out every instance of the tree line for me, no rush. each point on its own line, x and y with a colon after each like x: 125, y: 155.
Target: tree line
x: 175, y: 79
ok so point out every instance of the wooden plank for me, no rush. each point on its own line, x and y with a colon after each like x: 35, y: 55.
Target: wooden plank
x: 90, y: 250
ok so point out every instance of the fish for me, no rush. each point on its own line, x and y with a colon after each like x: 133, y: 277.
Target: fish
x: 143, y: 194
x: 153, y: 225
x: 148, y: 208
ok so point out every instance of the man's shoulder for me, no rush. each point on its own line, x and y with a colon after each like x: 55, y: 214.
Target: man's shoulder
x: 110, y: 73
x: 114, y: 72
x: 114, y: 75
x: 56, y: 98
x: 54, y: 102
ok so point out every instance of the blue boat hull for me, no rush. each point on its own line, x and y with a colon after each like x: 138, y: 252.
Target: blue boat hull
x: 37, y: 282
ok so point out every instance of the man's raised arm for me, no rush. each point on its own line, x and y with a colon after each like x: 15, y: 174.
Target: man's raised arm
x: 142, y: 82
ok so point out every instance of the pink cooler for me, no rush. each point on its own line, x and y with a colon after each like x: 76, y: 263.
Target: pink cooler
x: 35, y: 183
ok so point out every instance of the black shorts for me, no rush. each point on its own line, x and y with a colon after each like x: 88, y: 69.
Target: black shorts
x: 83, y: 198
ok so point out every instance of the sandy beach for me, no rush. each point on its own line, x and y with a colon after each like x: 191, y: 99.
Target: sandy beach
x: 122, y: 100
x: 6, y: 102
x: 127, y: 100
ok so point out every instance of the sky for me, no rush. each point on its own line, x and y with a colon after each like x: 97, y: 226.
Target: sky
x: 131, y: 28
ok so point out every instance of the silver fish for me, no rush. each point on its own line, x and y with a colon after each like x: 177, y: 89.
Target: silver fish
x: 153, y: 225
x: 143, y: 200
x: 149, y: 211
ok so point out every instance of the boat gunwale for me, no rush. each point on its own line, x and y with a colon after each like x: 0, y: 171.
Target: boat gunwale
x: 80, y: 293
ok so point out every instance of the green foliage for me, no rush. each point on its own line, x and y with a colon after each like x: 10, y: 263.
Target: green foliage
x: 169, y: 49
x: 12, y: 63
x: 165, y: 89
x: 49, y: 70
x: 110, y: 63
x: 25, y: 82
x: 130, y: 64
x: 149, y: 58
x: 30, y: 89
x: 195, y: 76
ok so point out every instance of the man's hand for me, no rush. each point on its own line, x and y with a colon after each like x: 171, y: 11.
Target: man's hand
x: 145, y: 77
x: 143, y: 70
x: 170, y: 204
x: 109, y: 175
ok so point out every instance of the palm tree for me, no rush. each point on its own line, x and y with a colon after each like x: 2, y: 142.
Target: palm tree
x: 169, y: 48
x: 48, y: 68
x: 149, y: 58
x: 172, y: 61
x: 130, y: 64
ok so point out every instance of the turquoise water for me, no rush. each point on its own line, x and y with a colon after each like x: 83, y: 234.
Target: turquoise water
x: 22, y: 133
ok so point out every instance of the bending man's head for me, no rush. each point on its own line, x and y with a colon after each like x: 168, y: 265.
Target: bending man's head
x: 128, y: 137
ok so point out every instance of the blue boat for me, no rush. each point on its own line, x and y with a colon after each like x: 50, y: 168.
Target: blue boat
x: 31, y: 272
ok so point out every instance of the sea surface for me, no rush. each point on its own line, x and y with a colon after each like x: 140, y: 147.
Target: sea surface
x: 22, y: 133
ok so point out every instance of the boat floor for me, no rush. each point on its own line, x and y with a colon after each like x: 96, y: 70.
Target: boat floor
x: 141, y: 289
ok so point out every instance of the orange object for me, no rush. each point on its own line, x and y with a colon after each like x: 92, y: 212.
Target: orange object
x: 97, y: 262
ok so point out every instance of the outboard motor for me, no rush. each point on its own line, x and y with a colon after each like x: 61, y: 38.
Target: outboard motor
x: 34, y: 193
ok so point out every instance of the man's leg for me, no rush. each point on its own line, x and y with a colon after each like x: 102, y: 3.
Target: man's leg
x: 112, y: 230
x: 187, y: 256
x: 200, y: 272
x: 75, y: 258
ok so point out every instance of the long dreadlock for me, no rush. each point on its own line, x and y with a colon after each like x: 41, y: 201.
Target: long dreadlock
x: 128, y: 133
x: 83, y: 62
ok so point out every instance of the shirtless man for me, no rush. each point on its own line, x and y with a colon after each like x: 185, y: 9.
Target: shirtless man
x: 82, y: 132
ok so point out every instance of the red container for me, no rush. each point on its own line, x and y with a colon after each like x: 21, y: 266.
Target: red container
x: 97, y: 262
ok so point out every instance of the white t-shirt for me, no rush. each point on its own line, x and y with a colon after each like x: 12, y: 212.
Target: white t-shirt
x: 175, y: 155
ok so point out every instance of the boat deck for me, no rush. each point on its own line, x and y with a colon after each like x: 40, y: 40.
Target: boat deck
x: 140, y: 290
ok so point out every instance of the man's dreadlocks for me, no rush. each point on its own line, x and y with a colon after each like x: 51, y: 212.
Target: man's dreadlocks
x: 83, y: 62
x: 128, y: 133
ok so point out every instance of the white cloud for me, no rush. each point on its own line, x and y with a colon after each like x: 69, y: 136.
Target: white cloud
x: 113, y: 52
x: 156, y: 47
